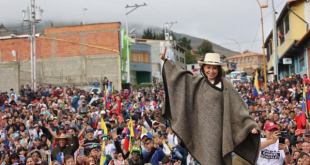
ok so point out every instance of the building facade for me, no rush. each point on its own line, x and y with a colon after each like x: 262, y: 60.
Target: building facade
x: 292, y: 25
x: 74, y: 56
x: 246, y: 62
x: 141, y: 63
x: 156, y: 49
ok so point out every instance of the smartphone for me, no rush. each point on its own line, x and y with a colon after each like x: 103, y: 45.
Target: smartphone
x: 81, y: 152
x: 283, y: 134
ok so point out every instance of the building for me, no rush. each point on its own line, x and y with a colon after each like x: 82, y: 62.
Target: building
x: 72, y: 55
x: 245, y: 62
x: 4, y: 31
x: 156, y: 49
x: 141, y: 63
x: 292, y: 25
x: 196, y: 67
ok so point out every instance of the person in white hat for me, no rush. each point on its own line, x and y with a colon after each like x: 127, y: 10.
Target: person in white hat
x: 197, y: 105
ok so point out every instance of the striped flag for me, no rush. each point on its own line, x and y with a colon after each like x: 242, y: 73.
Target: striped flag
x: 256, y: 85
x: 103, y: 157
x: 130, y: 136
x: 304, y: 101
x: 106, y: 95
x: 144, y: 131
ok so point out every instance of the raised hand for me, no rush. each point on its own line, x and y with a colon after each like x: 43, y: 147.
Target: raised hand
x: 163, y: 55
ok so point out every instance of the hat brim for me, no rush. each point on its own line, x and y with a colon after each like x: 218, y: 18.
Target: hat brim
x: 208, y: 63
x: 69, y: 140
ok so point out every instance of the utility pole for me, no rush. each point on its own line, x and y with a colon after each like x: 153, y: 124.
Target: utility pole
x: 127, y: 32
x: 275, y: 44
x: 84, y: 9
x: 168, y: 31
x: 33, y: 45
x: 35, y: 15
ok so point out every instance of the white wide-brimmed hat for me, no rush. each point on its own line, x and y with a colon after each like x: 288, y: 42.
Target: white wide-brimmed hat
x: 211, y: 59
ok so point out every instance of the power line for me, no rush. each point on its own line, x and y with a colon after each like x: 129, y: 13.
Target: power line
x: 244, y: 42
x: 160, y: 13
x: 255, y: 34
x: 273, y: 11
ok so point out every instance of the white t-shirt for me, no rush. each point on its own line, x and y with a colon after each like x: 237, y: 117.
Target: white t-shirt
x: 271, y: 155
x: 172, y: 139
x: 110, y: 149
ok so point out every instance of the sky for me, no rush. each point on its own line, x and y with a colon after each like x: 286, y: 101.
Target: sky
x: 224, y: 22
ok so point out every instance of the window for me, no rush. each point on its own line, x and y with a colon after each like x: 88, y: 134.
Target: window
x: 270, y: 47
x: 177, y: 58
x: 249, y: 59
x: 281, y: 35
x: 140, y: 57
x: 302, y: 62
x: 193, y: 67
x: 287, y: 24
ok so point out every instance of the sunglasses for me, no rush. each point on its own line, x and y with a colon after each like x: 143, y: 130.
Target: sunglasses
x: 135, y: 154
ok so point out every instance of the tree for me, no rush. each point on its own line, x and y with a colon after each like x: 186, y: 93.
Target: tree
x: 189, y: 58
x: 246, y: 51
x: 161, y: 36
x: 205, y: 47
x: 185, y: 43
x: 148, y: 34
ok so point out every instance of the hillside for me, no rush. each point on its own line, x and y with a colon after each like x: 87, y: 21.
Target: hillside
x: 139, y: 31
x: 194, y: 40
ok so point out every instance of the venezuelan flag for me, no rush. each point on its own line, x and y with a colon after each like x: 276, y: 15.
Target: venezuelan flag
x: 144, y: 131
x: 304, y: 101
x: 130, y: 136
x: 103, y: 157
x: 256, y: 85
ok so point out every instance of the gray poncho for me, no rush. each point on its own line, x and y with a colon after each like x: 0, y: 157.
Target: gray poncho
x: 212, y: 122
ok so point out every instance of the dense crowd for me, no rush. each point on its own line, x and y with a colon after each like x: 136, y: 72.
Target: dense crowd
x: 62, y: 125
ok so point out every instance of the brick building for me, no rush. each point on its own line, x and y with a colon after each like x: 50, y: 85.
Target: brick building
x: 246, y: 62
x: 73, y: 55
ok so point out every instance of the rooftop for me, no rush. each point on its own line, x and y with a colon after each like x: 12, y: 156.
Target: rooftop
x: 245, y: 54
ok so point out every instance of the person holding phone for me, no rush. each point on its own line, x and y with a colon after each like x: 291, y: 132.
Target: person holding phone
x: 271, y: 151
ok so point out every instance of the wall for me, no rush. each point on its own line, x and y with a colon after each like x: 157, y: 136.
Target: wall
x: 141, y: 66
x: 62, y: 60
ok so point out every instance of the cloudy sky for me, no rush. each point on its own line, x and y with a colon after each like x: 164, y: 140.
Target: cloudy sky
x: 216, y: 20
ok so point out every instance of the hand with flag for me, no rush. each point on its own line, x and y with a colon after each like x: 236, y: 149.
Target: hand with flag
x: 130, y: 136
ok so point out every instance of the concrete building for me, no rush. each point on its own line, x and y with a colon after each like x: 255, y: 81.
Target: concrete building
x: 156, y: 48
x: 3, y: 31
x: 292, y: 26
x: 246, y: 62
x: 74, y: 56
x: 141, y: 63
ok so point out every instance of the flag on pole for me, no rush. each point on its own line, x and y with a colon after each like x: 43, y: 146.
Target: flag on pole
x: 109, y: 87
x: 103, y: 157
x: 256, y: 85
x: 104, y: 127
x: 304, y: 101
x: 144, y: 131
x: 130, y: 136
x: 106, y: 95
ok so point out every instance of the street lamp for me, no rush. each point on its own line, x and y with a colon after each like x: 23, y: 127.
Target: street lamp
x: 263, y: 4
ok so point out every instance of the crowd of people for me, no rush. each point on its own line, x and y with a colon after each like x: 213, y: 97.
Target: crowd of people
x: 62, y: 125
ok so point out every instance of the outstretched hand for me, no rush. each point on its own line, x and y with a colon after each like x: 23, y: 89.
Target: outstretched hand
x: 163, y: 55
